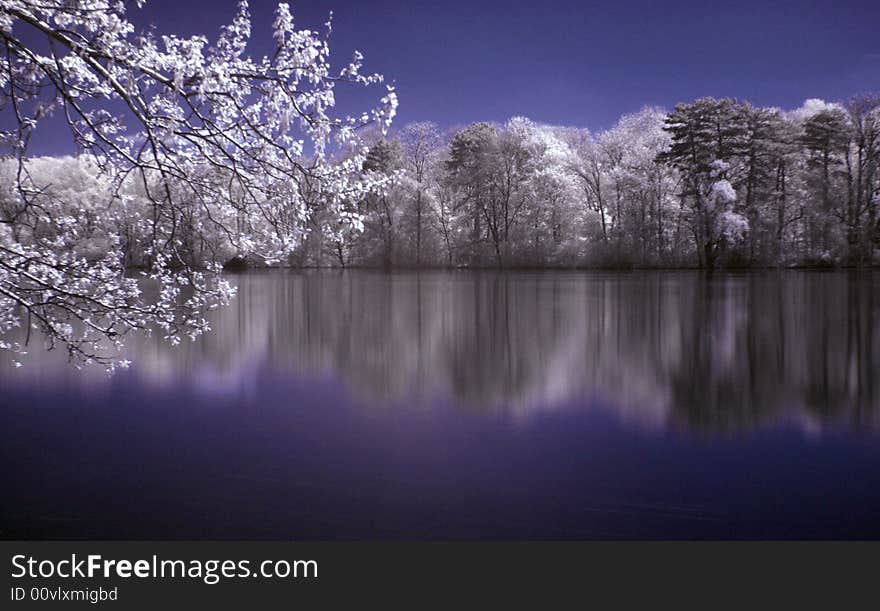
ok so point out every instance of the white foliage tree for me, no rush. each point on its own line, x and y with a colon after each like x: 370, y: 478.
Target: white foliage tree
x: 218, y: 144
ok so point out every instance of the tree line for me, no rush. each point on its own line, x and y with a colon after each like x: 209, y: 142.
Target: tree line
x: 713, y: 183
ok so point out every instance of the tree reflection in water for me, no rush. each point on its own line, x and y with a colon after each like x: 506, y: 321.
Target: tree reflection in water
x: 679, y: 349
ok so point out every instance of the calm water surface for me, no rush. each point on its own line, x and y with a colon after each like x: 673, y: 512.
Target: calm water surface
x: 458, y: 405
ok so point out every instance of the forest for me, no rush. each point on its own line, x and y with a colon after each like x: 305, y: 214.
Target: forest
x: 714, y: 183
x: 193, y: 155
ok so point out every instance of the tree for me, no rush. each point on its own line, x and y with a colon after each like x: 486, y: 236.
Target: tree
x: 588, y: 167
x: 382, y: 162
x: 551, y: 197
x: 763, y: 133
x: 203, y: 128
x: 419, y: 142
x: 786, y: 193
x: 826, y: 139
x: 862, y: 171
x: 637, y: 185
x: 707, y: 141
x: 467, y: 168
x: 446, y: 215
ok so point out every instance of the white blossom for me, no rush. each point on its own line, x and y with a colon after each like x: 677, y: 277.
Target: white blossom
x: 200, y: 151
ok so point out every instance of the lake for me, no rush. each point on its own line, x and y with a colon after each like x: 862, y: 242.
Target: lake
x: 468, y: 405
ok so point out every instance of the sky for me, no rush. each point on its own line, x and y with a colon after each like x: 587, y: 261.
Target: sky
x: 575, y: 63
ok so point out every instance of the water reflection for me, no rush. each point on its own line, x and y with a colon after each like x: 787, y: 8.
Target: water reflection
x: 679, y: 349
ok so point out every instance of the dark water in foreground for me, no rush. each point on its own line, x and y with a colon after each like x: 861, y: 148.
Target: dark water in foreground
x: 469, y: 405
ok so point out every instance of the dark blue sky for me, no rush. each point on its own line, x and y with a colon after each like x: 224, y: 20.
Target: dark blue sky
x: 577, y: 62
x: 581, y: 62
